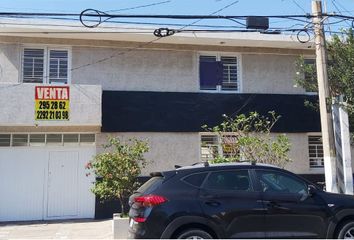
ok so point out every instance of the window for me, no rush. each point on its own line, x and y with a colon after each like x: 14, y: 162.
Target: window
x: 19, y: 140
x: 58, y: 66
x: 229, y: 146
x: 218, y: 72
x: 87, y: 139
x: 315, y: 152
x: 209, y: 147
x: 45, y: 65
x: 195, y: 179
x: 71, y: 138
x: 310, y: 75
x: 37, y: 139
x: 229, y: 180
x: 278, y: 182
x: 213, y: 146
x: 5, y: 140
x: 33, y: 65
x: 50, y: 139
x: 54, y: 139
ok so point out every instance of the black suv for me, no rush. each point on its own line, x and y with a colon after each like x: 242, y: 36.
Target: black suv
x: 237, y: 201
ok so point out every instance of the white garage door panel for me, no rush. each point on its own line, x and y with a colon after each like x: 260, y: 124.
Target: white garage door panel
x: 63, y: 184
x: 86, y: 197
x: 21, y: 184
x: 29, y: 192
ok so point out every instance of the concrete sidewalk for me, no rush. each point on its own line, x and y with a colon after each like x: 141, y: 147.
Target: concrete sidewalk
x: 65, y: 229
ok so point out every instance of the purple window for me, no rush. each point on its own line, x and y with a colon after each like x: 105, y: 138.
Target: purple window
x: 210, y: 72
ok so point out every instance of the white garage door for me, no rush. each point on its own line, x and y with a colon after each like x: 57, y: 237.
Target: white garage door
x: 48, y: 182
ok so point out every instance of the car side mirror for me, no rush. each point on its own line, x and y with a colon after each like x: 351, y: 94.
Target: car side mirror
x: 306, y: 194
x: 311, y: 190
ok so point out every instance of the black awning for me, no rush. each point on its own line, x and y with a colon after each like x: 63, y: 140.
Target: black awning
x: 124, y: 111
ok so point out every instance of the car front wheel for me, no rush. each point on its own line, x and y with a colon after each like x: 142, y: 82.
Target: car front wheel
x: 194, y: 234
x: 346, y: 231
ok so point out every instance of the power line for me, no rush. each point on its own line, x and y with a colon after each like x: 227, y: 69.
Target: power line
x: 298, y: 5
x: 104, y: 14
x: 158, y: 16
x: 139, y: 46
x: 121, y: 22
x: 149, y: 31
x: 335, y: 5
x: 137, y: 7
x: 202, y: 18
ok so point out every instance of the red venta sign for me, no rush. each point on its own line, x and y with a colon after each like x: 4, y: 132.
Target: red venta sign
x: 52, y: 103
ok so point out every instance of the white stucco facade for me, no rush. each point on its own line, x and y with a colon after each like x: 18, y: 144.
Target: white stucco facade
x: 17, y: 103
x: 162, y: 69
x: 107, y: 61
x: 170, y: 149
x: 158, y: 70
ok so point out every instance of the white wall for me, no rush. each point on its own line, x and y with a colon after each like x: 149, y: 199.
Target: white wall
x: 169, y: 149
x: 166, y: 149
x: 9, y: 63
x: 299, y: 154
x: 17, y: 103
x: 178, y: 71
x: 158, y: 70
x: 266, y: 73
x: 140, y: 70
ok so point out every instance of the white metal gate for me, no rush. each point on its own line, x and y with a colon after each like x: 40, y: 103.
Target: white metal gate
x: 45, y: 183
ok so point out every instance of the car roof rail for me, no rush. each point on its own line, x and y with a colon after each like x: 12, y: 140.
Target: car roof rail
x: 156, y: 174
x: 252, y: 162
x: 205, y: 164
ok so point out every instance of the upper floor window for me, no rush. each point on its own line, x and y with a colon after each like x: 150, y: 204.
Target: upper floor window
x: 217, y: 72
x: 316, y: 159
x: 310, y: 75
x: 45, y: 65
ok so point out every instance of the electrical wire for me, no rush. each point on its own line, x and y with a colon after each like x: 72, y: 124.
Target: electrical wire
x: 99, y: 13
x: 137, y: 7
x: 141, y: 45
x: 164, y: 32
x: 202, y: 18
x: 298, y: 5
x: 335, y: 5
x: 120, y: 22
x: 139, y: 23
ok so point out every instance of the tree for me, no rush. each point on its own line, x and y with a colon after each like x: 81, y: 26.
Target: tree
x: 247, y: 137
x: 340, y: 51
x: 117, y: 169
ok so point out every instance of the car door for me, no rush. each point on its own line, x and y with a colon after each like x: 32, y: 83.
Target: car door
x: 228, y: 197
x: 291, y: 210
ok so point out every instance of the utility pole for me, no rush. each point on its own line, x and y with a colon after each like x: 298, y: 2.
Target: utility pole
x: 324, y: 99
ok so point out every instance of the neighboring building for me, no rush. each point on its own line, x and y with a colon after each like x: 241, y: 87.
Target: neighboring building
x: 121, y: 85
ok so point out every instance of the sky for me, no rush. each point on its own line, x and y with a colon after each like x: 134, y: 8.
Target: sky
x: 243, y: 7
x: 186, y: 7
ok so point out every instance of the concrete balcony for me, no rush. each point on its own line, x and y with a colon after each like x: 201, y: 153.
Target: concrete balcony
x: 17, y: 106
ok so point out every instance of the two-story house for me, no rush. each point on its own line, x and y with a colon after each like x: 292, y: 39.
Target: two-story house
x: 65, y: 88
